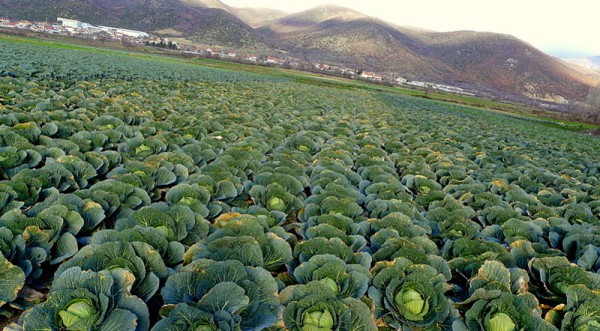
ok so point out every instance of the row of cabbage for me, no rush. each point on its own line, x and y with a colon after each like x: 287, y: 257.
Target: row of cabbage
x: 173, y: 204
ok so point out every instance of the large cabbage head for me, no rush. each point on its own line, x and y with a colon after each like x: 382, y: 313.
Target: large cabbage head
x: 316, y: 307
x: 248, y: 294
x: 275, y: 197
x: 497, y: 310
x: 53, y: 229
x: 88, y: 300
x: 244, y: 238
x: 346, y: 280
x: 139, y: 258
x: 408, y: 295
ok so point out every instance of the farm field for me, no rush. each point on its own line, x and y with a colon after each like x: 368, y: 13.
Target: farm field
x: 552, y: 118
x: 146, y: 193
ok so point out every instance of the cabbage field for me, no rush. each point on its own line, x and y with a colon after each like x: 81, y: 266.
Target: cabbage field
x: 147, y: 193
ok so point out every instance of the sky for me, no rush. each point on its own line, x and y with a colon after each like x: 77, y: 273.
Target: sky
x: 560, y: 28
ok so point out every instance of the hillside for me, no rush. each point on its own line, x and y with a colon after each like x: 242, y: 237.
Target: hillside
x: 363, y: 43
x: 203, y: 24
x: 490, y: 62
x: 505, y: 63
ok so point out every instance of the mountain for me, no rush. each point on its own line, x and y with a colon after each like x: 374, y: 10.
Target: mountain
x: 362, y: 43
x: 495, y: 63
x: 200, y: 21
x: 505, y: 64
x: 488, y: 62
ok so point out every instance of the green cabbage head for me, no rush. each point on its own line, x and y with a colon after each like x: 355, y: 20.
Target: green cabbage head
x: 346, y: 280
x: 88, y: 300
x: 500, y: 310
x: 316, y: 307
x: 320, y: 320
x: 409, y: 295
x: 220, y: 295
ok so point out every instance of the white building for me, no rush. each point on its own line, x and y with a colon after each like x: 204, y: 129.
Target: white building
x: 69, y: 23
x: 349, y: 71
x: 125, y: 32
x: 133, y: 33
x: 274, y: 60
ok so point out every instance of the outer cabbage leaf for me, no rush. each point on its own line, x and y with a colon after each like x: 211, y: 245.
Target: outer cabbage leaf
x: 53, y: 230
x: 394, y: 246
x: 493, y: 275
x: 466, y: 256
x: 12, y: 279
x: 171, y: 252
x: 29, y: 258
x: 91, y: 212
x: 581, y: 312
x: 357, y: 242
x: 404, y: 225
x: 187, y: 317
x: 138, y: 258
x: 304, y: 250
x: 552, y: 276
x: 177, y: 223
x: 116, y: 198
x: 8, y: 199
x: 523, y: 251
x: 346, y: 224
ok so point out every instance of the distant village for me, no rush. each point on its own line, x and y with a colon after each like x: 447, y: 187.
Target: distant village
x: 75, y: 28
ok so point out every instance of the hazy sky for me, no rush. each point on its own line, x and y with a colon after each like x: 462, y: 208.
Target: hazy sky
x: 555, y: 26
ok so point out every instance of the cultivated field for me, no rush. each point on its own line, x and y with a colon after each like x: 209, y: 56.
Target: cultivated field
x: 143, y: 192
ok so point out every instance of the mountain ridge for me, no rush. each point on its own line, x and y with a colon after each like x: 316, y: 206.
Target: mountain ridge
x: 254, y: 17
